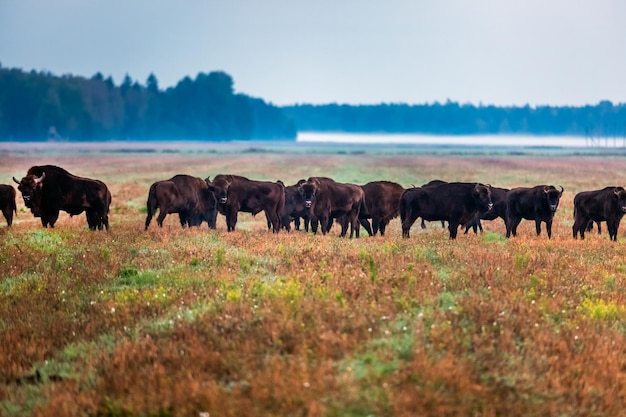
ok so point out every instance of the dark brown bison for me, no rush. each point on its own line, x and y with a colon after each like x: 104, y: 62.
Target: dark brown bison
x: 186, y: 195
x: 537, y: 203
x: 605, y: 205
x: 498, y: 198
x: 48, y: 189
x: 454, y: 202
x: 294, y: 208
x: 7, y: 202
x: 382, y: 199
x: 328, y: 199
x: 235, y: 193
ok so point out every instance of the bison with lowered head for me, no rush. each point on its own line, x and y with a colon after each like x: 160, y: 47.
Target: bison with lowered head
x: 607, y: 204
x: 382, y: 199
x: 235, y: 193
x: 454, y: 202
x: 537, y: 203
x: 48, y: 189
x: 327, y: 199
x: 7, y: 202
x: 188, y: 196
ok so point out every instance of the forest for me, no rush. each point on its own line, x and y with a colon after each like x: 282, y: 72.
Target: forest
x: 38, y: 106
x: 602, y: 120
x: 41, y: 106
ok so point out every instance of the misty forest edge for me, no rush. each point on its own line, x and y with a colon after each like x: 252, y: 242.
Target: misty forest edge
x: 40, y: 106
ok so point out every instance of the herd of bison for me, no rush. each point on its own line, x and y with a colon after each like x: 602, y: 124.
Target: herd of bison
x: 317, y: 202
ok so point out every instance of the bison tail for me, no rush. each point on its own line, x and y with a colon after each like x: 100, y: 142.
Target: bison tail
x: 363, y: 212
x: 402, y: 210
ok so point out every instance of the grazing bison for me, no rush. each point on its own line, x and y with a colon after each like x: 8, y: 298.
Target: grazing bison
x: 7, y: 202
x: 235, y: 193
x: 48, y: 189
x: 537, y: 203
x: 188, y: 196
x: 607, y: 204
x: 328, y: 199
x: 382, y: 199
x: 456, y: 202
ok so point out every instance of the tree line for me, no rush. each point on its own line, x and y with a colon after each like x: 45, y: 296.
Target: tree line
x: 42, y: 106
x: 39, y: 106
x: 451, y: 118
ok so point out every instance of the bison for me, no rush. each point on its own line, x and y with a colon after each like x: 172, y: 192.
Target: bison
x: 188, y: 196
x: 328, y: 199
x: 498, y: 198
x: 235, y: 193
x: 382, y: 199
x: 607, y: 204
x: 48, y: 189
x: 294, y: 208
x: 7, y: 202
x: 455, y: 202
x: 537, y: 203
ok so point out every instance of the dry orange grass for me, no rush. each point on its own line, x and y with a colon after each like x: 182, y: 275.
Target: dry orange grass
x: 181, y: 322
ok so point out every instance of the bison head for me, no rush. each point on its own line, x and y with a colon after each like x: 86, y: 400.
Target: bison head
x: 552, y: 196
x: 308, y: 189
x: 620, y: 196
x: 29, y: 186
x: 220, y: 186
x: 482, y: 195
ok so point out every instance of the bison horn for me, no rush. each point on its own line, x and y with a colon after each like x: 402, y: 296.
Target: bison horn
x: 16, y: 181
x: 43, y: 177
x: 562, y: 189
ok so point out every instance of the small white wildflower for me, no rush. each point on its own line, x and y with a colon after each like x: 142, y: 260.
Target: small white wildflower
x: 112, y: 310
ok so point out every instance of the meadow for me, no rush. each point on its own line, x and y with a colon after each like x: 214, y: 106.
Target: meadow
x: 199, y: 322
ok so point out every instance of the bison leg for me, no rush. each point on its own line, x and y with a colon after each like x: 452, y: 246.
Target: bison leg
x: 314, y: 225
x: 382, y: 227
x: 161, y: 217
x: 366, y: 224
x: 407, y: 223
x: 273, y: 221
x: 453, y: 228
x: 581, y: 225
x: 231, y: 219
x: 8, y: 215
x: 613, y: 226
x: 423, y: 225
x: 50, y: 220
x: 548, y: 227
x: 511, y: 226
x: 538, y: 227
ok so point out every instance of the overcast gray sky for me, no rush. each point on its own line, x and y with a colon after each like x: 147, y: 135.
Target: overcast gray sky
x: 502, y: 52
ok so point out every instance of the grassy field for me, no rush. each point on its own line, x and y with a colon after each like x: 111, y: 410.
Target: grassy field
x: 198, y: 322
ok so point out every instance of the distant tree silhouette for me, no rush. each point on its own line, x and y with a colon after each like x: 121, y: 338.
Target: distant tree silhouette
x: 33, y: 104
